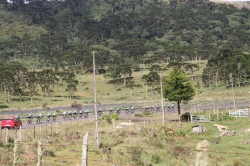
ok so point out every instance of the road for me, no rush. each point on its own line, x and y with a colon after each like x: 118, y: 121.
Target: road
x: 123, y: 115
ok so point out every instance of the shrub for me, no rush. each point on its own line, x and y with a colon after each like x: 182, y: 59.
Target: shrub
x: 45, y: 106
x: 145, y: 113
x: 107, y: 118
x: 76, y: 105
x: 49, y: 153
x: 115, y: 117
x: 138, y: 115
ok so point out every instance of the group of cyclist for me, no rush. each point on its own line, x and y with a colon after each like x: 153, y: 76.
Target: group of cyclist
x: 157, y: 108
x: 69, y: 115
x: 74, y: 114
x: 39, y: 118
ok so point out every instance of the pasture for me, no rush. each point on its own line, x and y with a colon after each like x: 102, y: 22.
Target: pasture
x: 145, y: 142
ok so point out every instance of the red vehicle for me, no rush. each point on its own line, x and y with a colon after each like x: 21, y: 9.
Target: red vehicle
x: 11, y: 122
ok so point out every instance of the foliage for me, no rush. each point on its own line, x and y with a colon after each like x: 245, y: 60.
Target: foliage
x: 107, y: 118
x: 177, y: 88
x: 228, y: 67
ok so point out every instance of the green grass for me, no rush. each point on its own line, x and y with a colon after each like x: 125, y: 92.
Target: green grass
x: 145, y: 142
x: 107, y: 94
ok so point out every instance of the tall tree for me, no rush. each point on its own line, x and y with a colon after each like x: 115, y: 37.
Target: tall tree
x: 152, y: 79
x: 32, y: 81
x: 177, y: 88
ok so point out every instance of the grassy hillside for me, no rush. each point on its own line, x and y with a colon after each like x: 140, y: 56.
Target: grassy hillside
x: 107, y: 94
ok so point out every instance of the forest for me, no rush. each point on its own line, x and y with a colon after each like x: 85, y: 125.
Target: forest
x: 48, y: 42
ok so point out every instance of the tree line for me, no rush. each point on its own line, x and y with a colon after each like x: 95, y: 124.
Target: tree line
x: 16, y: 80
x: 63, y: 34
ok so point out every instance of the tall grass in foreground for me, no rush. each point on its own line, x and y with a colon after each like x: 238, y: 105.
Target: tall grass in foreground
x: 146, y: 142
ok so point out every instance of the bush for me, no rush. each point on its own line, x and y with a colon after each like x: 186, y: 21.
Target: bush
x: 45, y: 106
x: 115, y: 117
x: 107, y: 118
x: 49, y: 153
x: 138, y: 115
x: 76, y: 105
x: 145, y: 113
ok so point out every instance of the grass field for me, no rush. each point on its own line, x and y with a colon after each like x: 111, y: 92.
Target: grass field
x: 145, y: 142
x: 107, y: 94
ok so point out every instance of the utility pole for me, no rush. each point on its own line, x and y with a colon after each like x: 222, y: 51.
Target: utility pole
x: 231, y: 79
x: 96, y: 116
x: 162, y: 106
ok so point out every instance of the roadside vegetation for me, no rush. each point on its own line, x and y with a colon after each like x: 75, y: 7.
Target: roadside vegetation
x: 144, y: 142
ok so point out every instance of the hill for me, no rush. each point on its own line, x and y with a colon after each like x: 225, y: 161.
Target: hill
x: 46, y: 48
x: 238, y: 4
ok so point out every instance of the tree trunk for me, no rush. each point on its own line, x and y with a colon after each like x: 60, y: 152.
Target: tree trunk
x: 179, y: 108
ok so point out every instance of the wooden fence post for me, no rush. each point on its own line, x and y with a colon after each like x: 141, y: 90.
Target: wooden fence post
x: 40, y: 131
x: 113, y: 121
x: 51, y: 128
x: 57, y: 128
x: 15, y: 155
x: 6, y: 135
x: 20, y: 133
x: 217, y: 114
x: 84, y: 150
x: 40, y: 152
x: 34, y: 131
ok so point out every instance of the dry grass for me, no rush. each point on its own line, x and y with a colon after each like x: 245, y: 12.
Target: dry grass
x: 146, y: 142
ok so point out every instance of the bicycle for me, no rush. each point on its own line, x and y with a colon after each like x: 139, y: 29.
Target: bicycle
x: 118, y: 111
x: 152, y: 109
x: 127, y: 110
x: 54, y: 118
x: 86, y: 114
x: 29, y: 120
x: 48, y: 118
x: 111, y: 111
x: 100, y: 112
x: 39, y: 119
x: 132, y: 109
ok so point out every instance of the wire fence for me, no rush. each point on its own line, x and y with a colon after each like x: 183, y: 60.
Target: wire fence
x: 68, y: 138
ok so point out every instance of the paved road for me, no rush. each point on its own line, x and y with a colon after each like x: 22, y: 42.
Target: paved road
x: 185, y: 108
x: 122, y: 116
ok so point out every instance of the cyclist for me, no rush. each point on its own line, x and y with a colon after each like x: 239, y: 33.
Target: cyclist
x: 157, y: 108
x: 118, y: 111
x: 39, y: 118
x: 64, y: 115
x: 111, y: 111
x: 80, y: 113
x: 75, y: 114
x: 152, y: 108
x: 86, y: 113
x: 127, y: 110
x: 54, y: 117
x: 100, y: 112
x: 48, y: 116
x: 69, y: 115
x: 17, y: 117
x: 29, y: 121
x: 132, y: 109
